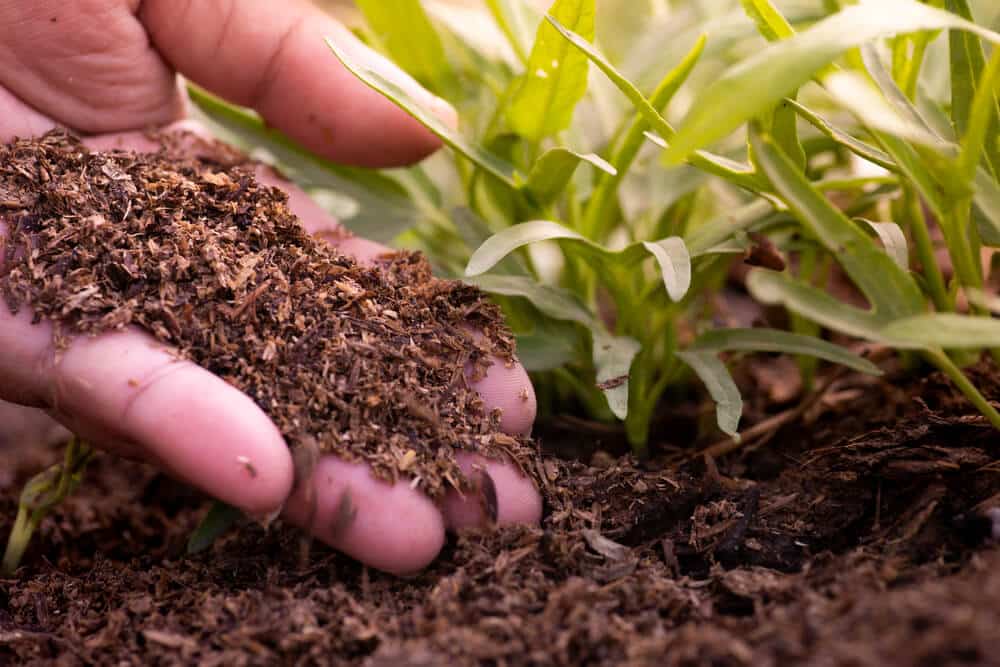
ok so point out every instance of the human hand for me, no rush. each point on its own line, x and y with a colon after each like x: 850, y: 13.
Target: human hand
x: 107, y: 69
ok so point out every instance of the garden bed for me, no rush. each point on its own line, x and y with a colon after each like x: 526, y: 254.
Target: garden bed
x: 859, y: 534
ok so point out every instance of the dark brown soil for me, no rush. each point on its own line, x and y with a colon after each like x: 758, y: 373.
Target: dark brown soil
x: 369, y: 363
x: 862, y: 533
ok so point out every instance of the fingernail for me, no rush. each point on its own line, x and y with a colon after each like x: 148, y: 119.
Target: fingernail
x: 488, y: 493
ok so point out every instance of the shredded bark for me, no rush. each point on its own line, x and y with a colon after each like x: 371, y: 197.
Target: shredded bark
x: 370, y: 363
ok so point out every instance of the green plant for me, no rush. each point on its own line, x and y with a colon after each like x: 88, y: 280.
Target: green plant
x: 603, y: 232
x: 40, y: 495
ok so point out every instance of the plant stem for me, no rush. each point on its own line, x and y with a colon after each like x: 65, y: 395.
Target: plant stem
x: 925, y: 253
x: 948, y: 367
x: 43, y: 492
x: 20, y: 537
x: 600, y: 206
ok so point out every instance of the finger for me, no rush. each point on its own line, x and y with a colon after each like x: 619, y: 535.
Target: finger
x: 88, y: 65
x: 127, y: 389
x: 19, y: 120
x: 273, y: 57
x: 502, y: 495
x: 390, y: 527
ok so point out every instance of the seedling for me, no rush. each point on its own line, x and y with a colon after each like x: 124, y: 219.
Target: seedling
x: 40, y: 495
x: 638, y: 222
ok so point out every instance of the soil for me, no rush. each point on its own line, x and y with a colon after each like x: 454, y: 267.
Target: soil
x: 859, y: 526
x: 863, y: 532
x: 372, y: 363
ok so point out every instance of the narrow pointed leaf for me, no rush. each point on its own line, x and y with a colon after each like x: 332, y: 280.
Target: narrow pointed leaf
x: 720, y: 385
x: 509, y: 16
x: 814, y: 304
x: 555, y: 78
x: 853, y: 144
x: 476, y: 154
x: 898, y: 100
x: 981, y: 128
x: 217, y: 522
x: 553, y: 171
x: 769, y: 21
x: 776, y: 340
x: 947, y: 330
x: 706, y: 236
x: 734, y: 172
x: 967, y: 62
x: 855, y: 93
x: 777, y: 71
x: 891, y: 290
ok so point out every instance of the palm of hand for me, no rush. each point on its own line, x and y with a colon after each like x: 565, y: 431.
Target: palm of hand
x: 107, y: 68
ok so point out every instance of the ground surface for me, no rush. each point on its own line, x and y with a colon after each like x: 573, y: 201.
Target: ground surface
x: 859, y: 534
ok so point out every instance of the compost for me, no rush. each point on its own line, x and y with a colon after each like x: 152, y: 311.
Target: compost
x: 370, y: 363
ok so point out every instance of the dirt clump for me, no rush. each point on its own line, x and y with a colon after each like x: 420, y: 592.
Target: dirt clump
x: 369, y: 362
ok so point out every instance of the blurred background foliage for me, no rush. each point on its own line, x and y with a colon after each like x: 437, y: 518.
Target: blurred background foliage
x: 606, y: 333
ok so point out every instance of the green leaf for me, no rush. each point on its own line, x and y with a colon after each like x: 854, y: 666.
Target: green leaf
x: 981, y: 128
x: 613, y: 356
x: 756, y: 84
x: 967, y: 62
x: 219, y: 519
x: 898, y: 100
x: 734, y: 172
x: 893, y: 240
x: 600, y: 211
x: 702, y: 239
x: 776, y: 340
x: 814, y: 304
x: 784, y: 129
x: 769, y: 21
x: 947, y: 330
x: 674, y: 264
x: 509, y: 16
x: 891, y: 291
x: 855, y: 93
x: 702, y: 357
x: 553, y: 171
x: 545, y: 349
x: 555, y: 78
x: 720, y: 385
x: 383, y: 208
x: 507, y: 241
x: 404, y: 30
x: 476, y: 154
x: 853, y: 144
x: 916, y: 170
x: 983, y: 299
x: 987, y: 201
x: 553, y: 301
